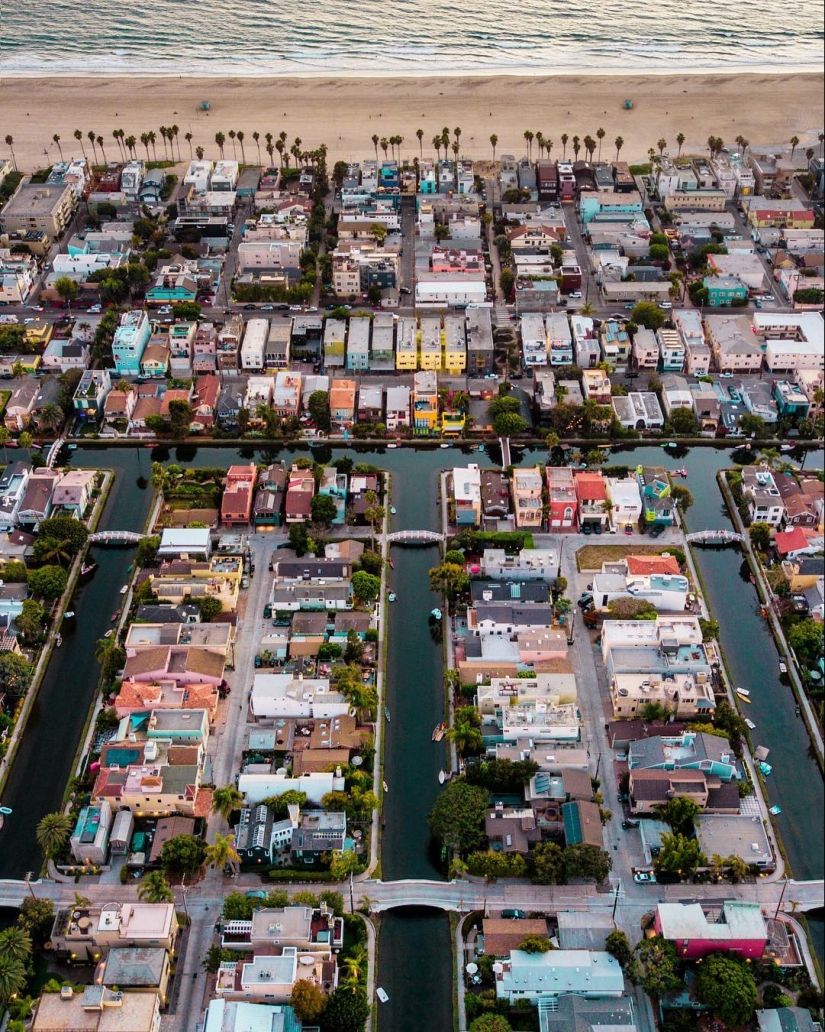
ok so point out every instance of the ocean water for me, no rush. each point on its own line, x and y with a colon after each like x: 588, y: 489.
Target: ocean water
x: 415, y: 37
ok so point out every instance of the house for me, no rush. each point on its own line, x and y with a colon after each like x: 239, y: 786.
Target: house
x: 318, y: 832
x: 638, y: 410
x: 691, y: 750
x: 650, y: 789
x: 764, y: 502
x: 733, y: 343
x: 37, y: 502
x: 86, y: 931
x: 582, y: 823
x: 559, y: 339
x: 154, y: 362
x: 134, y: 969
x: 479, y: 341
x: 425, y: 402
x: 72, y: 494
x: 791, y: 401
x: 645, y: 349
x: 562, y: 497
x: 335, y: 335
x: 742, y: 835
x: 511, y: 829
x: 528, y: 564
x: 533, y: 340
x: 38, y: 206
x: 230, y: 403
x: 342, y: 403
x: 204, y: 403
x: 591, y: 492
x: 723, y: 291
x: 504, y: 934
x: 615, y: 343
x: 97, y: 1009
x: 240, y: 1015
x: 253, y: 345
x: 542, y: 976
x: 89, y: 841
x: 739, y: 929
x: 129, y: 342
x: 800, y: 510
x: 625, y: 502
x: 300, y: 490
x: 18, y: 412
x: 205, y: 349
x: 676, y: 393
x: 286, y: 394
x: 61, y: 355
x: 239, y: 489
x: 358, y: 345
x: 268, y: 506
x: 789, y: 544
x: 495, y: 496
x: 671, y: 350
x: 253, y: 835
x: 13, y: 483
x: 596, y: 386
x: 467, y: 495
x: 398, y: 408
x: 370, y: 404
x: 228, y: 342
x: 119, y: 406
x: 527, y: 497
x: 786, y: 1019
x: 654, y: 486
x: 276, y: 696
x: 406, y: 345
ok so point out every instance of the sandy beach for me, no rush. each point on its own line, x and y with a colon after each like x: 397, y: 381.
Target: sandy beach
x: 768, y: 109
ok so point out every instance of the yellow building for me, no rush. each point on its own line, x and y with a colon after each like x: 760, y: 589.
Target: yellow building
x: 220, y: 578
x: 430, y: 343
x: 452, y: 424
x: 455, y: 344
x: 406, y: 345
x: 38, y: 332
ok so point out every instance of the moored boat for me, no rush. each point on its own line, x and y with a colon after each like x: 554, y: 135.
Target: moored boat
x: 439, y: 732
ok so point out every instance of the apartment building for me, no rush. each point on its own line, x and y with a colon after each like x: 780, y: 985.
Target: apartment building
x: 39, y: 207
x: 527, y: 500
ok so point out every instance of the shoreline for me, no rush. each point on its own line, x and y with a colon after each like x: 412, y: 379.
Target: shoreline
x: 346, y: 111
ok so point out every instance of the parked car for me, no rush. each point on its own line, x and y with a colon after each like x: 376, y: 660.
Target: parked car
x: 597, y: 528
x: 628, y: 528
x: 586, y: 529
x: 628, y: 824
x: 644, y: 877
x: 513, y: 914
x: 657, y: 530
x: 585, y: 601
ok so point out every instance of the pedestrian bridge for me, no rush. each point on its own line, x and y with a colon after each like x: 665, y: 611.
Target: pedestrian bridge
x: 415, y: 537
x: 115, y: 537
x: 715, y: 537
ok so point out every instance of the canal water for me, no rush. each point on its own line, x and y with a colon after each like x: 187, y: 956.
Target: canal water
x: 414, y: 948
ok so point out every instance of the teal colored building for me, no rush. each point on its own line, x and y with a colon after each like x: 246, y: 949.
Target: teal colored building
x: 724, y: 290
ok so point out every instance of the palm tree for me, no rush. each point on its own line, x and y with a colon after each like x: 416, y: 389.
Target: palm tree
x: 15, y: 942
x: 102, y: 150
x: 164, y: 135
x: 465, y: 737
x: 12, y: 977
x: 548, y: 145
x: 130, y: 144
x: 280, y: 146
x: 586, y: 309
x: 661, y: 144
x: 794, y: 145
x: 175, y: 134
x: 199, y: 153
x: 56, y: 139
x: 241, y: 137
x: 590, y: 146
x: 10, y: 145
x: 619, y: 143
x: 92, y: 138
x: 528, y: 136
x: 233, y: 136
x: 420, y: 135
x: 256, y: 136
x: 398, y: 141
x: 458, y: 868
x: 355, y: 968
x: 540, y: 142
x: 384, y: 146
x: 680, y: 139
x: 564, y: 139
x: 769, y: 457
x: 144, y: 139
x: 220, y: 139
x: 78, y: 135
x: 437, y: 146
x: 821, y: 139
x: 222, y: 852
x: 155, y: 889
x: 53, y: 832
x: 116, y: 136
x: 493, y: 143
x: 51, y: 416
x: 225, y: 800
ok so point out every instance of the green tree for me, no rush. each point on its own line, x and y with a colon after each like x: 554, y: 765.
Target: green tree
x: 32, y: 622
x: 490, y: 1023
x: 16, y: 674
x: 318, y: 407
x: 12, y: 978
x: 62, y: 528
x: 654, y: 967
x: 48, y: 582
x: 307, y: 1001
x: 222, y: 853
x: 648, y: 314
x: 760, y: 535
x: 298, y: 538
x: 449, y: 579
x: 466, y: 738
x: 215, y: 956
x: 752, y: 425
x: 67, y: 289
x: 508, y: 424
x: 365, y: 586
x: 806, y: 639
x: 684, y: 421
x: 155, y: 889
x: 36, y: 917
x: 457, y: 818
x: 226, y: 801
x: 324, y: 509
x: 180, y: 418
x: 535, y: 944
x: 342, y: 864
x: 583, y: 861
x: 16, y: 942
x: 679, y: 493
x: 679, y: 813
x: 548, y: 864
x: 53, y: 831
x: 183, y: 854
x: 679, y: 855
x: 725, y: 985
x: 371, y: 562
x: 346, y: 1011
x: 186, y: 310
x: 618, y: 946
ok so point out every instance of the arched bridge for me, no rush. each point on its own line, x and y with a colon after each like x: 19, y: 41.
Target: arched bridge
x: 415, y: 537
x: 115, y: 537
x: 714, y: 537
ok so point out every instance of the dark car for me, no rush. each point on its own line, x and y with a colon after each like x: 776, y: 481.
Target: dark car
x: 628, y: 528
x: 586, y: 529
x: 249, y: 308
x: 628, y: 824
x: 597, y: 528
x: 657, y: 530
x: 585, y: 602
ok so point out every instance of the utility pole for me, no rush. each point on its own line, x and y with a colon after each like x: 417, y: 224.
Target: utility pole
x: 183, y: 894
x: 781, y: 898
x: 351, y: 896
x: 29, y: 884
x: 616, y: 900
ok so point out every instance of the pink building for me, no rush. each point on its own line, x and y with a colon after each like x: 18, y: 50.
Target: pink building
x: 564, y: 502
x: 740, y: 929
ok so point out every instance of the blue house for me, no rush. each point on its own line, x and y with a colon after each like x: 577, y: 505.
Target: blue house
x: 690, y: 751
x: 790, y: 400
x: 130, y: 340
x: 724, y: 290
x: 654, y: 487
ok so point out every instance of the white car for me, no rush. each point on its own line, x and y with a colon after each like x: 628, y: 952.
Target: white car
x: 575, y: 293
x: 644, y: 877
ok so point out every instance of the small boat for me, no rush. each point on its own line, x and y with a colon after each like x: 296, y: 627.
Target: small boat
x: 480, y: 448
x: 392, y: 445
x: 742, y: 691
x: 6, y: 811
x: 750, y: 724
x: 58, y: 641
x: 436, y: 613
x: 71, y: 447
x: 786, y: 447
x: 783, y: 667
x: 393, y: 510
x: 799, y: 711
x: 442, y: 777
x: 115, y: 615
x: 68, y: 615
x: 382, y: 994
x: 88, y: 568
x: 670, y: 444
x: 443, y: 446
x: 392, y: 564
x: 679, y: 472
x: 387, y: 714
x: 439, y: 732
x: 766, y: 768
x: 744, y: 698
x: 108, y: 634
x: 775, y: 810
x: 385, y: 786
x: 124, y: 589
x: 392, y: 596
